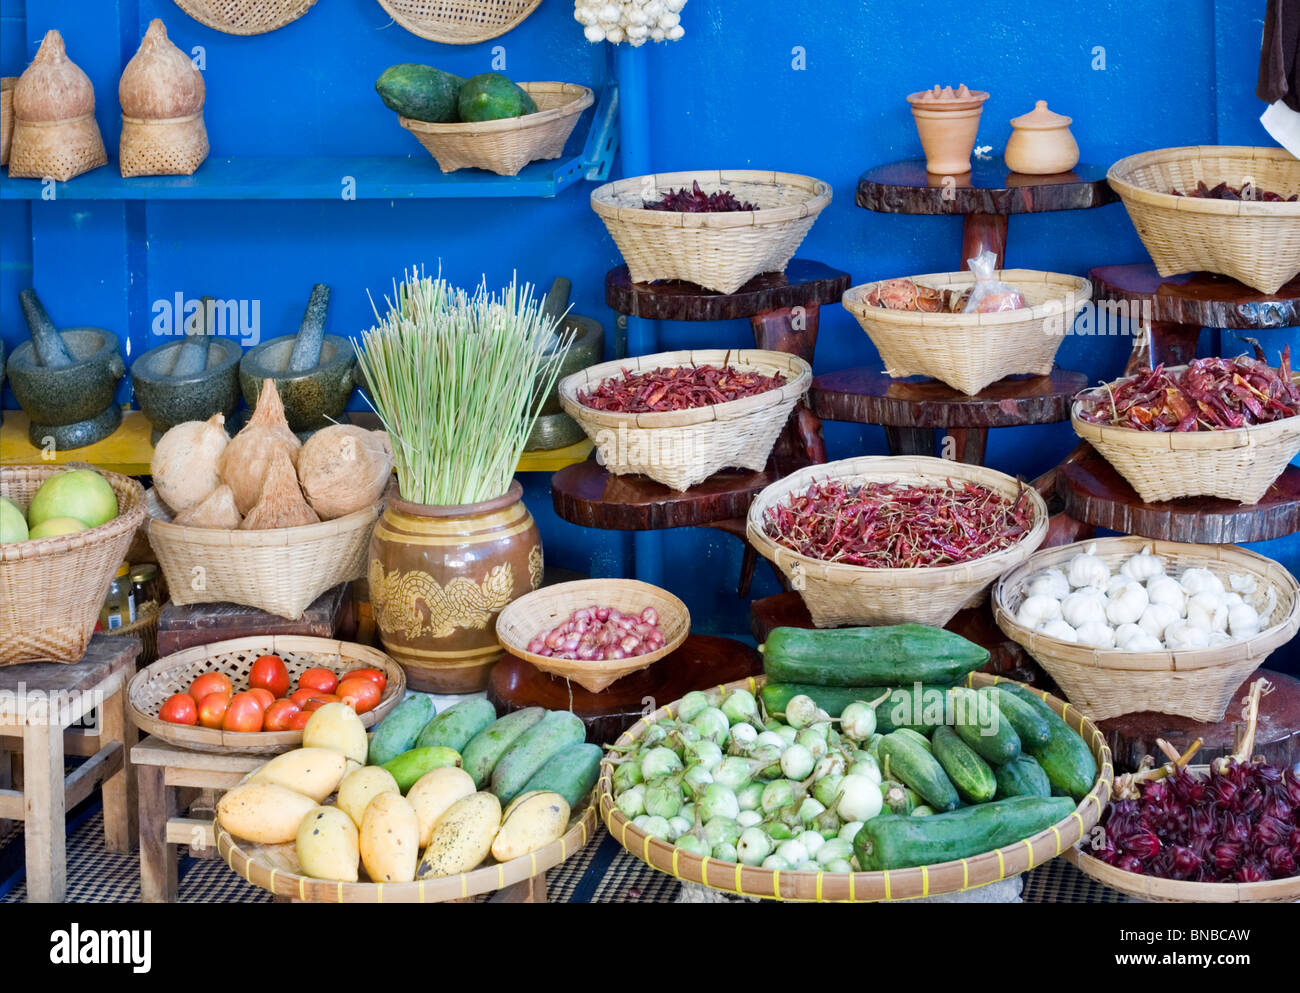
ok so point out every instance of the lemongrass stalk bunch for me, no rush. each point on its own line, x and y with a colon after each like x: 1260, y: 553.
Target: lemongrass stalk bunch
x: 453, y: 377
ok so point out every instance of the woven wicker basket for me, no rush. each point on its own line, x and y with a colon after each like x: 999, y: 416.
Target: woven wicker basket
x: 838, y: 595
x: 506, y: 146
x: 1235, y: 464
x: 1255, y: 242
x: 7, y: 85
x: 172, y: 147
x: 144, y: 627
x: 541, y: 610
x: 970, y: 351
x: 57, y: 149
x: 680, y: 448
x: 151, y: 687
x: 1199, y: 683
x: 864, y: 887
x: 719, y: 251
x: 459, y: 22
x: 245, y: 16
x: 51, y: 589
x: 280, y: 571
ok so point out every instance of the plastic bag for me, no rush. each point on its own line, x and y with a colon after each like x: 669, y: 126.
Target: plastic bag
x: 988, y: 295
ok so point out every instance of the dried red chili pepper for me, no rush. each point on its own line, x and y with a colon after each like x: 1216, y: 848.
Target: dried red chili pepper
x: 676, y: 388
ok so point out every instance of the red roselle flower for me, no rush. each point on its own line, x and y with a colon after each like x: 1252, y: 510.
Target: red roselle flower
x: 1235, y: 828
x: 1143, y: 845
x: 1129, y: 863
x: 1270, y: 831
x: 1226, y: 855
x: 1200, y: 821
x: 1252, y: 872
x: 1183, y: 862
x: 1280, y: 860
x: 1225, y: 790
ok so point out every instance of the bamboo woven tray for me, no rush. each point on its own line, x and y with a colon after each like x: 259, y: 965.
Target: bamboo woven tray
x: 276, y: 868
x: 459, y: 22
x: 1249, y: 240
x: 1199, y: 683
x: 1154, y: 889
x: 970, y: 351
x: 838, y: 595
x: 681, y: 448
x: 543, y: 609
x: 151, y: 686
x: 245, y: 17
x: 865, y: 887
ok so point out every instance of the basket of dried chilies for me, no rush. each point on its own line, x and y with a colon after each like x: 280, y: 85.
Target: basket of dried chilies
x: 1216, y: 427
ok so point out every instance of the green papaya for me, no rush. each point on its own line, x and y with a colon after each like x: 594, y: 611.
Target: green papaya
x: 421, y: 93
x: 492, y: 97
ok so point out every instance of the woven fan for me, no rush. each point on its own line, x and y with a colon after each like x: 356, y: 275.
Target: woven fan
x: 459, y: 22
x: 245, y: 16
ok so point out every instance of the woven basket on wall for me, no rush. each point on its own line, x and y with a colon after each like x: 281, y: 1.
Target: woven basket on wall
x: 1234, y: 464
x: 1198, y: 683
x: 1255, y: 242
x: 459, y: 22
x: 7, y: 85
x: 680, y: 448
x: 281, y: 570
x: 245, y: 16
x: 718, y: 251
x: 838, y: 595
x: 507, y: 145
x: 51, y: 589
x: 971, y: 351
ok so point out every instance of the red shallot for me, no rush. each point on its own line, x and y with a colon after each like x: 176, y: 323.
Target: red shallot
x: 600, y: 634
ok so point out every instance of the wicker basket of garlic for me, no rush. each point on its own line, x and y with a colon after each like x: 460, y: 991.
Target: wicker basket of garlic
x: 1129, y: 624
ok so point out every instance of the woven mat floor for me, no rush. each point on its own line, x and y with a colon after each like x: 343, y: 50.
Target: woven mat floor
x: 601, y: 873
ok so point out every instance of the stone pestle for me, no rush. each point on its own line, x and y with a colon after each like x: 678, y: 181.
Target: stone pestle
x: 554, y: 428
x: 51, y: 351
x: 192, y: 355
x: 311, y: 333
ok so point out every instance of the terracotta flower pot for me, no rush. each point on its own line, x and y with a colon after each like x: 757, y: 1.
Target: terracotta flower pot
x: 948, y: 122
x: 439, y: 577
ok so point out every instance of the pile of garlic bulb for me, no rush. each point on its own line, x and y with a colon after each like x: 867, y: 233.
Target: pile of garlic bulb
x: 1142, y: 608
x: 633, y: 21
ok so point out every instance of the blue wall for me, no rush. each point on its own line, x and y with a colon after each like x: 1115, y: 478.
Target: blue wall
x: 728, y: 95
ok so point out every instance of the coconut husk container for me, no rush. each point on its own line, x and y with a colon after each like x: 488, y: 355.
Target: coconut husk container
x: 55, y: 133
x: 162, y: 96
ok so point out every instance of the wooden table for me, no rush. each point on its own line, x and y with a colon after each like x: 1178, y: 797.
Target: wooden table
x: 910, y: 410
x: 330, y: 615
x: 39, y: 702
x: 987, y: 196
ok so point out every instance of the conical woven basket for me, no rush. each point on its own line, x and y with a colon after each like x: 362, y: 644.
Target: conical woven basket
x: 459, y: 22
x: 7, y: 85
x: 680, y: 448
x: 56, y: 149
x: 51, y: 589
x: 838, y: 595
x: 1255, y: 242
x: 245, y: 16
x: 971, y: 351
x: 1198, y: 683
x: 172, y: 147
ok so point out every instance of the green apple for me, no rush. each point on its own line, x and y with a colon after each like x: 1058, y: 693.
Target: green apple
x: 12, y: 525
x: 80, y: 493
x: 56, y: 526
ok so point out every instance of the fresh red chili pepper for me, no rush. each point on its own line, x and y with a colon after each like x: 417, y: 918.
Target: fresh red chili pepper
x: 676, y: 388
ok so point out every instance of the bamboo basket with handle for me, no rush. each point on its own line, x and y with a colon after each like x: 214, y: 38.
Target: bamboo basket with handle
x: 459, y: 22
x: 864, y: 887
x: 1252, y: 241
x: 970, y: 351
x: 151, y: 686
x: 680, y: 448
x: 1197, y: 683
x: 838, y: 595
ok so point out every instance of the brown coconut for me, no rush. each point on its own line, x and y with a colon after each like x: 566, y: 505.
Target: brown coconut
x: 216, y: 511
x: 160, y: 81
x: 247, y: 458
x: 344, y: 468
x: 281, y: 504
x: 53, y: 87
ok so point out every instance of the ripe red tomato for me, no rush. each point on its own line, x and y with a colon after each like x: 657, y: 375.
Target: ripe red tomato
x: 279, y: 716
x: 269, y: 673
x: 318, y: 700
x: 299, y: 720
x: 319, y: 679
x: 243, y: 714
x: 211, y: 682
x: 376, y: 676
x: 263, y: 696
x: 179, y: 708
x: 212, y: 709
x: 359, y: 694
x: 300, y: 697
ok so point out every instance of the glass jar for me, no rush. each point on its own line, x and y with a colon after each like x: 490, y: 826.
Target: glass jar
x: 119, y: 605
x: 145, y: 586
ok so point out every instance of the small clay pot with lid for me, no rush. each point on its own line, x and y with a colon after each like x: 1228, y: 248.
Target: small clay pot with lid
x: 947, y: 121
x: 1041, y: 143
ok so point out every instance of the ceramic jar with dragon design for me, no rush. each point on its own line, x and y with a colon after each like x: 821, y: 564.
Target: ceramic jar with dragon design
x: 439, y: 577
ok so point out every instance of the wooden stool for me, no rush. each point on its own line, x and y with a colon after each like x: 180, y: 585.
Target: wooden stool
x: 163, y: 770
x: 38, y: 703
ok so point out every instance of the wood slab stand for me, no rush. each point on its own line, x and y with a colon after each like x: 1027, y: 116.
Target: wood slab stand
x: 330, y: 615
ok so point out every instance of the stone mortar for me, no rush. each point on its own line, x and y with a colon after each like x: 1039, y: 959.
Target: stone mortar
x: 313, y: 399
x: 60, y: 401
x: 168, y: 401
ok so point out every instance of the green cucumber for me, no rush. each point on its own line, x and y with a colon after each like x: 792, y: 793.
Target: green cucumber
x: 1022, y: 776
x: 913, y: 766
x: 570, y: 772
x: 421, y: 93
x: 882, y: 656
x: 490, y: 96
x: 832, y: 699
x: 893, y: 842
x: 397, y: 732
x: 414, y: 763
x: 456, y: 726
x: 1069, y: 765
x: 969, y: 773
x: 485, y: 749
x: 1030, y: 725
x: 555, y: 731
x: 923, y: 810
x: 916, y: 736
x: 978, y: 722
x: 919, y: 707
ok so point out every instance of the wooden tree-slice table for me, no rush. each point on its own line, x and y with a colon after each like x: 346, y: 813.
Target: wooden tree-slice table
x: 701, y: 662
x: 1277, y: 737
x: 1176, y: 308
x: 911, y: 409
x: 1093, y: 492
x: 987, y: 196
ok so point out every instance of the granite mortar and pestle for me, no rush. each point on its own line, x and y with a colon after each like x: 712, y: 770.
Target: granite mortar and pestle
x: 65, y: 380
x: 190, y: 379
x: 314, y: 372
x: 554, y: 428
